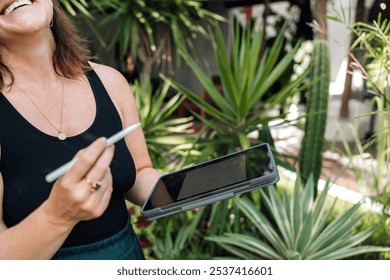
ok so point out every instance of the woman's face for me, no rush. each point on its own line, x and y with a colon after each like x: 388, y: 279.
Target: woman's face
x: 23, y: 18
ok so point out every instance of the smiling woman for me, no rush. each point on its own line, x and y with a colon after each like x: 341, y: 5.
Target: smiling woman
x: 70, y: 53
x: 55, y: 105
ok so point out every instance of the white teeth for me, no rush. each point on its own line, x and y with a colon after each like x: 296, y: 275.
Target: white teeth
x: 16, y: 5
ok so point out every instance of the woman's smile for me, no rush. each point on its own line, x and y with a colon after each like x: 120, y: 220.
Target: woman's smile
x: 15, y: 5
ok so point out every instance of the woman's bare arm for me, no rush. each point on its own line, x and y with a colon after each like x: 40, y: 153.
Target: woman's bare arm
x: 71, y: 200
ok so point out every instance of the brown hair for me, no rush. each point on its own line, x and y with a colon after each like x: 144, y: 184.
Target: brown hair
x: 71, y: 55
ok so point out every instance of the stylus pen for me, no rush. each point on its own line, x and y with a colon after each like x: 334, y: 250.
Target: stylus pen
x: 52, y: 176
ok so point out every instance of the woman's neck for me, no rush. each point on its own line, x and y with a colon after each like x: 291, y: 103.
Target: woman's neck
x: 32, y: 61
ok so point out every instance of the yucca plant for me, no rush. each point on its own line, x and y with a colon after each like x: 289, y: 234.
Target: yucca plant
x: 247, y: 78
x: 167, y: 137
x: 297, y: 228
x: 242, y: 106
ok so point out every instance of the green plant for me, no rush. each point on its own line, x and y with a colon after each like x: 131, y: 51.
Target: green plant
x: 310, y: 158
x: 87, y: 8
x: 74, y: 7
x: 176, y: 238
x: 166, y: 137
x: 374, y: 40
x: 298, y: 228
x: 148, y: 30
x: 380, y: 237
x: 243, y: 104
x: 372, y: 45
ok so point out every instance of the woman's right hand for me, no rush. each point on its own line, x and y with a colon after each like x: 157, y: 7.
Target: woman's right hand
x: 73, y: 197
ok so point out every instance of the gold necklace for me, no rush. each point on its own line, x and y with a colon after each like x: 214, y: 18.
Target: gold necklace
x: 61, y: 136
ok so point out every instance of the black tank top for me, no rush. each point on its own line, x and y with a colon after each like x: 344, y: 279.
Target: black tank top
x: 28, y: 154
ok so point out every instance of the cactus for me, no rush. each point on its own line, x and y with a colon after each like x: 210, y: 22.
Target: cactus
x: 310, y: 159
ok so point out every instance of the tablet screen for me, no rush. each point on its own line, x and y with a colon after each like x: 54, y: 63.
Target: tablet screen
x: 210, y: 177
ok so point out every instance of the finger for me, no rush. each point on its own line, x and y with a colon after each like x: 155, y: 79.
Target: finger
x: 101, y: 166
x: 97, y: 185
x: 86, y: 158
x: 99, y: 199
x: 105, y: 189
x: 94, y: 186
x: 98, y: 203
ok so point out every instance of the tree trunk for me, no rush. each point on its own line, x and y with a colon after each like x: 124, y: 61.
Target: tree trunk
x: 344, y: 112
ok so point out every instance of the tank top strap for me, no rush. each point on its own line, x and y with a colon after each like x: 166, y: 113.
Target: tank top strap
x: 104, y: 103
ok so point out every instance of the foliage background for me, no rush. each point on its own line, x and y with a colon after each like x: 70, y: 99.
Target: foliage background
x: 183, y: 236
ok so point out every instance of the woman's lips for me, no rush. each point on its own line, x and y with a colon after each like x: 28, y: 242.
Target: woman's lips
x: 15, y: 5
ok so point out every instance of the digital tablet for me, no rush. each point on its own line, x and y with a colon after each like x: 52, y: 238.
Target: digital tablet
x: 211, y: 181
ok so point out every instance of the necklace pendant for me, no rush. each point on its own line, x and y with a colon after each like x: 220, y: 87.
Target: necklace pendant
x: 61, y: 136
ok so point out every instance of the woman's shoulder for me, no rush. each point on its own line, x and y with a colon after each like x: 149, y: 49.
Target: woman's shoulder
x: 108, y: 74
x: 116, y: 85
x: 113, y: 80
